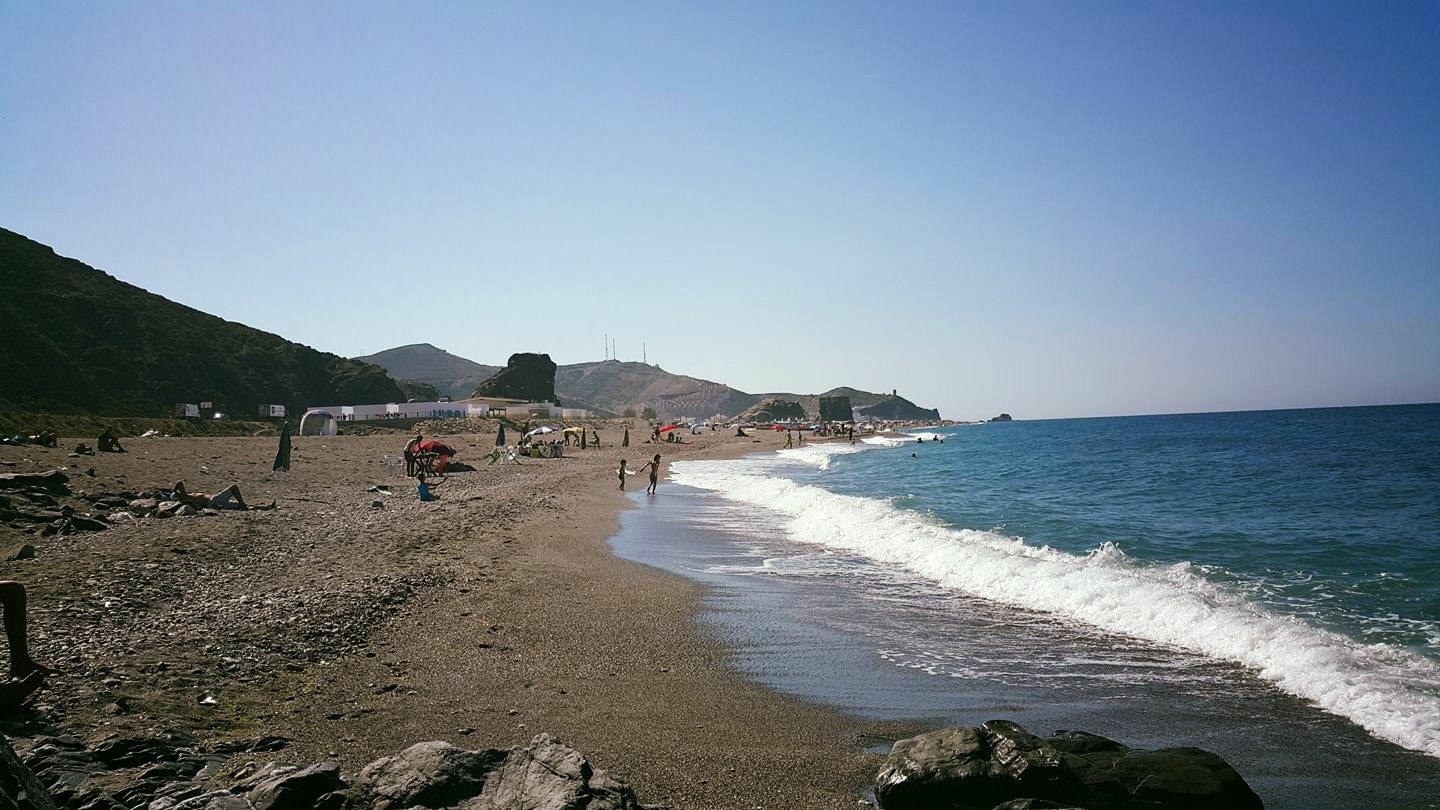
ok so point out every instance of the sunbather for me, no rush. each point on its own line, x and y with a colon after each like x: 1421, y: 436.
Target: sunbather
x: 227, y: 498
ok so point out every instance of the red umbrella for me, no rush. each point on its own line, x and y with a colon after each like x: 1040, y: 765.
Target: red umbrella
x: 438, y: 448
x: 670, y: 426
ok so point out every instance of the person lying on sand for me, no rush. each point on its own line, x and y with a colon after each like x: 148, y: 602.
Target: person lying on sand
x: 26, y: 674
x: 227, y: 498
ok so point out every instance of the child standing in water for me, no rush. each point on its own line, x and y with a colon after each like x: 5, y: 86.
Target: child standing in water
x: 654, y: 467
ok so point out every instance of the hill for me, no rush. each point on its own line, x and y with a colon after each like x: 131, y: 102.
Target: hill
x: 77, y: 340
x: 614, y: 386
x: 451, y: 374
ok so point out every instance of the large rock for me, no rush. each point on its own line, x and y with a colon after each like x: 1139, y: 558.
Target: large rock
x: 434, y: 774
x: 975, y: 767
x: 544, y: 775
x: 1001, y: 765
x: 19, y: 788
x: 528, y: 377
x: 549, y: 775
x: 289, y: 787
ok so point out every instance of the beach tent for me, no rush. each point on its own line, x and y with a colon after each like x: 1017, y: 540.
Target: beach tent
x: 318, y: 423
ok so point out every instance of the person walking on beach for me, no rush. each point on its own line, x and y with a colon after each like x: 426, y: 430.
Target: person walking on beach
x: 789, y: 440
x: 654, y: 468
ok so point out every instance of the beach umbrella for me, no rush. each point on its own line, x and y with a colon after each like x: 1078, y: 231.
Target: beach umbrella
x: 670, y: 426
x: 500, y: 437
x: 282, y: 457
x: 626, y: 441
x: 582, y: 438
x: 540, y: 431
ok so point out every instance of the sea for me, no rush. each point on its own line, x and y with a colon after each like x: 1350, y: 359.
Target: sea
x: 1264, y: 585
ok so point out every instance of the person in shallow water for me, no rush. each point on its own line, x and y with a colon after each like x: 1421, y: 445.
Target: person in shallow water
x: 26, y: 674
x: 654, y: 468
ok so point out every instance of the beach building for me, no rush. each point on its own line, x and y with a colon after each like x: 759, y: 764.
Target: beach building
x: 473, y: 408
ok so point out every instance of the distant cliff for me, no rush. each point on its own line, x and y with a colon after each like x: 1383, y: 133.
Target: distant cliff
x: 898, y: 408
x: 76, y: 340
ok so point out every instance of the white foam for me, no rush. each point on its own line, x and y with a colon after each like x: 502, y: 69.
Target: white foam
x: 1392, y: 692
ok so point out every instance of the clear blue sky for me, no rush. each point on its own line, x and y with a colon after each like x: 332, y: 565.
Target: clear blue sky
x: 1052, y: 209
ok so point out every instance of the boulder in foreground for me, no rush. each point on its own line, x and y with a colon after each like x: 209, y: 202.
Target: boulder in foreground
x: 1001, y: 765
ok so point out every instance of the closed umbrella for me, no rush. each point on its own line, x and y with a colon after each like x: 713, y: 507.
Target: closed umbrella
x: 626, y: 441
x: 282, y: 456
x: 500, y: 437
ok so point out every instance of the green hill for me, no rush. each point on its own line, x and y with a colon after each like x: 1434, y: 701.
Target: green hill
x: 76, y: 340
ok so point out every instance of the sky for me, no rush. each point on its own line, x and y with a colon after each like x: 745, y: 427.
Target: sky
x: 1049, y: 209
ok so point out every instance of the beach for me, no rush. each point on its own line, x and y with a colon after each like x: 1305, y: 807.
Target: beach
x: 489, y: 615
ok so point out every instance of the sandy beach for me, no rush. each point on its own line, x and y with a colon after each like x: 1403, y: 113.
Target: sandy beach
x: 489, y: 615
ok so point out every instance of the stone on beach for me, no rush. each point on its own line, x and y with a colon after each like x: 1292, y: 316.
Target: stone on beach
x: 1001, y: 765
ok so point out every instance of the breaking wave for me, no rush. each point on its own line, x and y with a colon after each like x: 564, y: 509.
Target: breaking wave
x: 1391, y: 692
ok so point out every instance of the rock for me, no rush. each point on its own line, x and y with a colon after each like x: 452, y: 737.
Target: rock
x: 1183, y: 778
x: 143, y: 505
x: 19, y: 787
x: 549, y: 775
x: 125, y: 752
x: 975, y: 767
x: 434, y: 774
x: 54, y: 480
x: 214, y: 800
x: 527, y: 376
x: 279, y: 787
x: 1002, y: 766
x: 25, y: 551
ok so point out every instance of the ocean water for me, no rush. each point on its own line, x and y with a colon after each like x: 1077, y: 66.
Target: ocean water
x: 1263, y: 584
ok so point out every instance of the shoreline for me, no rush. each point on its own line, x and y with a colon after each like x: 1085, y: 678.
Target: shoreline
x: 492, y: 614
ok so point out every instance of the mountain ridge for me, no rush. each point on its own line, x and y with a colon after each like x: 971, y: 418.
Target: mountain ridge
x: 615, y: 386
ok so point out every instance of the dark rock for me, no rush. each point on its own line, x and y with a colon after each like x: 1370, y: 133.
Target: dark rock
x: 527, y: 376
x: 125, y: 752
x: 1183, y: 778
x: 1004, y: 417
x: 289, y: 787
x: 1004, y: 767
x: 24, y: 551
x: 975, y: 767
x: 54, y: 481
x: 214, y: 800
x: 19, y: 787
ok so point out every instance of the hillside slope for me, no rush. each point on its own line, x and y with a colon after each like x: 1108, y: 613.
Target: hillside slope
x: 77, y: 340
x: 452, y: 374
x: 614, y: 386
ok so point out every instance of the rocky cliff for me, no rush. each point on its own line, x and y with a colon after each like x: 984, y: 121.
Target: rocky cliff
x: 526, y: 376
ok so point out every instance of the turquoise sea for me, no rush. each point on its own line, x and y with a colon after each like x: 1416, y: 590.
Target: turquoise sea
x: 1263, y: 584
